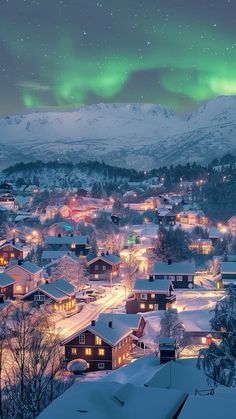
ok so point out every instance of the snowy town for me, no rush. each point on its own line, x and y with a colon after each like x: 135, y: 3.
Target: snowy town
x: 110, y: 291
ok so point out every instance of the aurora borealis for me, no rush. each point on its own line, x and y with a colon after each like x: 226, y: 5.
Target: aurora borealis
x: 61, y: 54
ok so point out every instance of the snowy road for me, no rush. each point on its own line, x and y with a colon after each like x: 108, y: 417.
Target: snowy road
x: 68, y: 326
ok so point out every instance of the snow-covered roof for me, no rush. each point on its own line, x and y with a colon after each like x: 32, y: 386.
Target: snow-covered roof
x: 214, y: 233
x: 130, y: 320
x: 53, y: 254
x: 228, y: 268
x: 110, y: 259
x: 157, y: 285
x: 51, y: 240
x: 70, y: 256
x: 111, y: 335
x: 58, y: 290
x: 184, y: 268
x: 6, y: 280
x: 100, y: 400
x: 206, y: 407
x: 27, y: 266
x: 164, y: 212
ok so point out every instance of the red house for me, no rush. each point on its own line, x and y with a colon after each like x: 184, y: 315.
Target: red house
x: 104, y: 267
x: 6, y: 286
x: 9, y: 251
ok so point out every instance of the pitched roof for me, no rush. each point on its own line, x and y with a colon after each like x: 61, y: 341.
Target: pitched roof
x: 27, y: 266
x: 110, y: 259
x: 71, y: 256
x: 54, y: 254
x: 157, y: 285
x: 163, y: 268
x: 6, y: 280
x: 58, y: 290
x: 51, y: 240
x: 130, y: 320
x: 228, y: 268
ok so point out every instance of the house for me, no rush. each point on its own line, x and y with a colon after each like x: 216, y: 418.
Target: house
x: 181, y: 274
x: 60, y: 295
x: 27, y: 276
x: 104, y: 344
x: 228, y: 273
x: 62, y: 228
x: 6, y: 286
x: 104, y: 267
x: 215, y: 235
x: 150, y: 295
x: 6, y: 187
x: 135, y: 322
x: 192, y: 218
x: 77, y: 244
x: 165, y: 217
x: 232, y: 225
x: 167, y: 350
x: 201, y: 246
x: 8, y: 202
x: 10, y: 250
x: 49, y: 256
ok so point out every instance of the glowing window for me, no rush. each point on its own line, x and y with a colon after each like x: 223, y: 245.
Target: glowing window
x: 101, y: 352
x: 88, y: 351
x: 98, y: 340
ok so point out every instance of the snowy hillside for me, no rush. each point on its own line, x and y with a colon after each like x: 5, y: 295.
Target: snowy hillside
x: 136, y: 135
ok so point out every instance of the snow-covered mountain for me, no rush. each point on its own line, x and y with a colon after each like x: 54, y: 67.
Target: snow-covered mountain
x: 135, y: 135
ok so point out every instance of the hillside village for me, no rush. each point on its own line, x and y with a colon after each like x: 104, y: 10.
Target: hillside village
x: 125, y: 269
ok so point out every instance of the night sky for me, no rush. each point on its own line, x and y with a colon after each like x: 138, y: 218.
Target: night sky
x: 61, y: 54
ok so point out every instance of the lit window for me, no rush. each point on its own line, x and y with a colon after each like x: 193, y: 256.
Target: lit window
x: 73, y: 246
x: 98, y: 340
x: 73, y: 351
x: 82, y: 339
x: 101, y: 352
x: 204, y: 341
x: 88, y: 365
x: 119, y: 360
x: 142, y: 306
x: 101, y: 365
x: 88, y: 351
x: 143, y: 296
x: 151, y: 306
x: 18, y: 287
x: 12, y: 255
x: 153, y: 295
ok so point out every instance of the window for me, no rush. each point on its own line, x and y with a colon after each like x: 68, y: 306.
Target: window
x: 101, y: 352
x: 142, y: 306
x: 81, y: 339
x: 143, y: 296
x: 39, y: 297
x: 18, y: 288
x: 73, y: 246
x: 172, y: 277
x: 204, y: 340
x: 98, y: 340
x: 190, y: 278
x: 96, y: 267
x: 104, y: 267
x: 119, y: 360
x: 88, y: 351
x: 153, y: 295
x: 151, y: 306
x: 73, y: 351
x: 88, y: 365
x: 101, y: 365
x: 179, y: 278
x: 12, y: 255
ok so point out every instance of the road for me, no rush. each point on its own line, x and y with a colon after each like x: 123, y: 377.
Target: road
x: 70, y: 325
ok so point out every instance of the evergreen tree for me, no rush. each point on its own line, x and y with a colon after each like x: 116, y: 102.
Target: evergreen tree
x: 219, y: 361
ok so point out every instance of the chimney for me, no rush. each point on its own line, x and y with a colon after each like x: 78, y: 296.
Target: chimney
x: 1, y: 299
x: 19, y: 262
x: 93, y: 322
x: 110, y: 324
x: 151, y: 279
x: 169, y: 261
x: 72, y: 235
x: 59, y: 235
x: 47, y: 281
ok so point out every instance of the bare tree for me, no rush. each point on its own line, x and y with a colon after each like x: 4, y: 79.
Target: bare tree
x: 33, y: 380
x: 71, y: 270
x: 129, y: 269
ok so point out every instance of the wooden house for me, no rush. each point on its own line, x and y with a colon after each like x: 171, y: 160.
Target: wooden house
x: 60, y: 295
x: 150, y: 295
x: 10, y: 251
x: 27, y: 276
x: 165, y: 217
x: 201, y: 246
x: 105, y: 267
x: 79, y: 245
x: 105, y: 345
x: 6, y: 286
x: 181, y: 274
